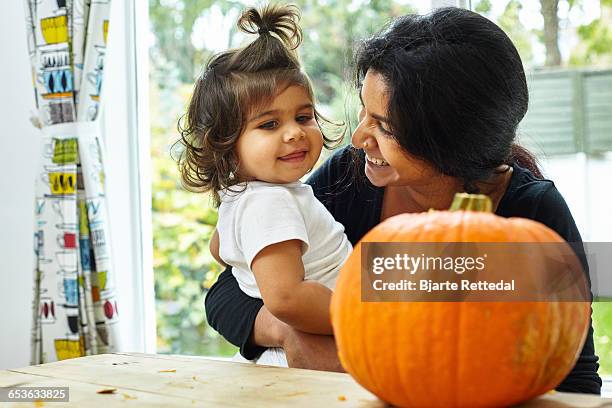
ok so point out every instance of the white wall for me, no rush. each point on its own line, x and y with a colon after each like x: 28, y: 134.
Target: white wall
x: 18, y: 157
x: 586, y: 185
x: 126, y: 169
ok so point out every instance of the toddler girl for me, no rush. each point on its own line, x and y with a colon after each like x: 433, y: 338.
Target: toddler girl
x: 251, y: 132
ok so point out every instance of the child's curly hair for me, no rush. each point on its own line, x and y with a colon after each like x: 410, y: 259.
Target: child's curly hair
x: 234, y: 84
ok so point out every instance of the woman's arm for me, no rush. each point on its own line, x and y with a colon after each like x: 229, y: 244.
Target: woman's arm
x: 247, y: 324
x: 299, y: 303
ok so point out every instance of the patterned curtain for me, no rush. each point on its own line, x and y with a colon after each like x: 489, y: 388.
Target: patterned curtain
x: 74, y: 308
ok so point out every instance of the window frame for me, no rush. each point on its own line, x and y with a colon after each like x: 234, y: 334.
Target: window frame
x: 126, y: 135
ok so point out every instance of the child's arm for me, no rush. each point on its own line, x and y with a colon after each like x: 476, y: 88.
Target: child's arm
x: 213, y: 245
x: 279, y: 273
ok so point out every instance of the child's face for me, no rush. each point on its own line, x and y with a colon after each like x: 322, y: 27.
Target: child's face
x: 281, y: 141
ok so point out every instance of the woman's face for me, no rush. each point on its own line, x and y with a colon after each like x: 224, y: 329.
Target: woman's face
x: 387, y: 164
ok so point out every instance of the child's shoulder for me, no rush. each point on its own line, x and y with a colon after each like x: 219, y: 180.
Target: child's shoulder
x: 271, y: 189
x: 260, y: 191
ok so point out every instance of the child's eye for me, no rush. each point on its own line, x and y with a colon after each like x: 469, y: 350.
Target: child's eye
x: 268, y: 125
x: 304, y: 118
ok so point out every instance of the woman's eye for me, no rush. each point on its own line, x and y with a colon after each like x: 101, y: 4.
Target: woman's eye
x: 268, y: 125
x: 383, y: 130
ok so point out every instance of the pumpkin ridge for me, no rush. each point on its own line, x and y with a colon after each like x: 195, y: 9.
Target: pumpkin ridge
x: 364, y: 313
x: 548, y: 353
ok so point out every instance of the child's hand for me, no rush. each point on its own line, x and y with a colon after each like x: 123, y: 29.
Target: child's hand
x: 213, y: 245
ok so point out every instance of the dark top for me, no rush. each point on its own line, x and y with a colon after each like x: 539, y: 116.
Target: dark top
x: 357, y: 205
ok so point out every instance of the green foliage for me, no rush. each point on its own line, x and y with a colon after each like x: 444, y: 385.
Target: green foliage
x: 331, y: 33
x: 172, y: 22
x: 509, y: 21
x: 596, y: 42
x: 182, y: 226
x: 594, y: 47
x: 184, y: 268
x: 483, y: 6
x: 602, y: 325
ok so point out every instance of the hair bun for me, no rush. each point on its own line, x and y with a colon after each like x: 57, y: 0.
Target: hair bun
x: 280, y: 20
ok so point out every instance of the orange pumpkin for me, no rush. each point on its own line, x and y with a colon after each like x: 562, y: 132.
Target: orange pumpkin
x: 455, y: 354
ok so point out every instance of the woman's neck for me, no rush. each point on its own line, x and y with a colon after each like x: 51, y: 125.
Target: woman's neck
x: 438, y: 193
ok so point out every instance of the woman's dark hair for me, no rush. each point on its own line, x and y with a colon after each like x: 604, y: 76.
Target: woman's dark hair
x: 235, y: 84
x: 456, y: 89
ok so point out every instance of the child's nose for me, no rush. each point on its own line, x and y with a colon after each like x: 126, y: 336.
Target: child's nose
x: 293, y: 134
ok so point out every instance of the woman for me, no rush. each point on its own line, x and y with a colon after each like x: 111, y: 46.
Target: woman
x: 442, y: 96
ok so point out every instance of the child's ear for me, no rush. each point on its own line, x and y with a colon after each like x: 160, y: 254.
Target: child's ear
x: 235, y: 166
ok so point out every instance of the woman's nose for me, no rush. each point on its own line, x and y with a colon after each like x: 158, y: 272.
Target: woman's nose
x: 360, y: 137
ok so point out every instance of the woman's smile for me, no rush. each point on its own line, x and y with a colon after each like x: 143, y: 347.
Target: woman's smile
x: 379, y: 174
x: 376, y: 161
x: 374, y: 170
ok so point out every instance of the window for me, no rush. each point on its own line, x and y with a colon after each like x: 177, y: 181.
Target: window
x: 183, y: 35
x: 565, y: 50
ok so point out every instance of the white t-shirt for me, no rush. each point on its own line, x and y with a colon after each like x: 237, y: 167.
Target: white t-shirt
x: 265, y: 214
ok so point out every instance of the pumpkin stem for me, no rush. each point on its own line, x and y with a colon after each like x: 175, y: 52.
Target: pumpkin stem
x: 471, y: 202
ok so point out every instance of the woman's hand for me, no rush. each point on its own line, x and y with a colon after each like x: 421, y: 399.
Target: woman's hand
x: 311, y: 351
x: 303, y: 350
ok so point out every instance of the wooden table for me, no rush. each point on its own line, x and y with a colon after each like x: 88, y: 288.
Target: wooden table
x: 146, y: 380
